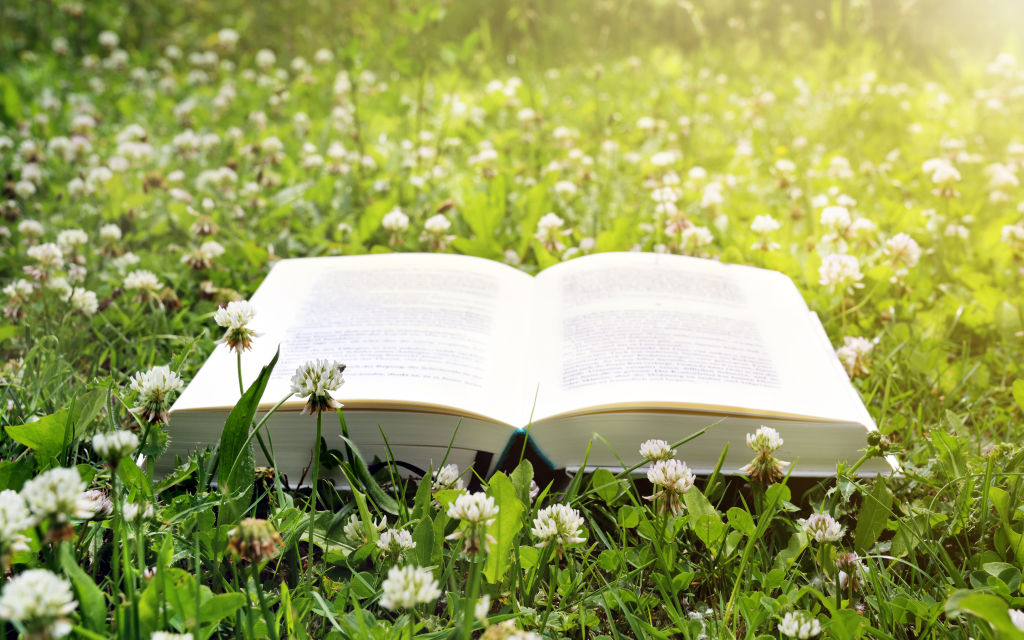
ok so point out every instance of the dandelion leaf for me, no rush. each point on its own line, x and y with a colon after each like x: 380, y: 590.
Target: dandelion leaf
x: 505, y: 528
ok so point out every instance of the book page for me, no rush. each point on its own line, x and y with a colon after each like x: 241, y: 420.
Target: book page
x: 671, y: 331
x: 416, y: 329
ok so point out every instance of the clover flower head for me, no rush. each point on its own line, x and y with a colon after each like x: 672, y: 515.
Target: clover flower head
x: 764, y: 439
x: 58, y: 495
x: 255, y: 540
x: 836, y: 218
x: 236, y: 318
x: 30, y: 228
x: 854, y: 355
x: 155, y: 387
x: 14, y: 518
x: 138, y: 512
x: 674, y: 478
x: 48, y: 257
x: 799, y: 625
x: 549, y: 232
x: 40, y: 600
x: 560, y: 524
x: 477, y: 511
x: 447, y: 477
x: 395, y: 221
x: 405, y: 587
x: 144, y: 283
x: 115, y: 445
x: 396, y: 543
x: 656, y: 450
x: 823, y: 528
x: 849, y: 564
x: 355, y: 532
x: 481, y: 610
x: 101, y: 504
x: 840, y: 269
x: 167, y: 635
x: 84, y: 301
x: 1017, y: 618
x: 316, y: 380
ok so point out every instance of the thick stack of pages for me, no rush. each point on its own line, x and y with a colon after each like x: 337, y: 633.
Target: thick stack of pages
x: 630, y: 346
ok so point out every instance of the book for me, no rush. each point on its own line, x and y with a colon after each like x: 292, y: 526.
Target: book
x: 630, y: 346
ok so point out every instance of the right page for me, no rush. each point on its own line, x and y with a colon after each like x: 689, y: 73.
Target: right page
x: 661, y: 331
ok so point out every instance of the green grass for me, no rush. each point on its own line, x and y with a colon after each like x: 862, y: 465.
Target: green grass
x: 940, y: 544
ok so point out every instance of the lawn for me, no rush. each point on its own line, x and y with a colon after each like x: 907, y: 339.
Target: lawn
x: 159, y: 157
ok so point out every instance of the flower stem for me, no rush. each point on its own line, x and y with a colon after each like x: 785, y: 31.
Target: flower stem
x: 312, y: 495
x: 469, y: 602
x: 241, y: 387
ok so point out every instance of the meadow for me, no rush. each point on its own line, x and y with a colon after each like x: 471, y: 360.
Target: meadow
x: 157, y: 161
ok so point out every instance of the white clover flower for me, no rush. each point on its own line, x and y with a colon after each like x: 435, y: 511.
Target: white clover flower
x: 265, y: 59
x: 236, y: 318
x: 101, y: 505
x: 1017, y: 618
x: 799, y: 625
x: 560, y: 524
x: 115, y: 445
x: 59, y: 286
x: 155, y: 388
x: 138, y: 512
x: 765, y: 224
x: 657, y: 450
x: 903, y: 252
x: 72, y: 238
x: 823, y: 528
x: 565, y: 189
x: 316, y: 379
x: 395, y: 221
x: 39, y: 600
x: 144, y: 283
x: 477, y: 511
x: 108, y: 39
x: 227, y: 38
x: 396, y: 543
x: 694, y: 238
x: 481, y: 610
x: 14, y: 518
x: 84, y: 301
x: 30, y: 228
x: 840, y: 269
x: 853, y: 354
x: 48, y: 257
x: 550, y: 232
x: 323, y: 56
x: 447, y: 477
x: 57, y: 495
x: 355, y: 532
x: 110, y: 233
x: 405, y: 587
x: 675, y: 479
x: 764, y: 439
x: 945, y: 174
x: 167, y: 635
x: 836, y: 218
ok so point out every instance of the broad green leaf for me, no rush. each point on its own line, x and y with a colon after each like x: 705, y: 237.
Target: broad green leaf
x: 950, y: 453
x: 423, y: 536
x: 797, y: 543
x: 505, y: 528
x: 990, y: 608
x: 372, y: 535
x: 1001, y: 500
x: 373, y: 490
x: 873, y: 515
x: 1018, y: 393
x: 44, y: 436
x: 629, y: 518
x: 92, y: 604
x: 705, y: 520
x: 522, y: 480
x: 236, y: 471
x: 421, y: 505
x: 8, y: 331
x: 847, y: 625
x: 219, y: 607
x: 740, y: 520
x: 477, y: 247
x: 604, y: 484
x: 609, y: 560
x: 14, y: 475
x: 131, y: 475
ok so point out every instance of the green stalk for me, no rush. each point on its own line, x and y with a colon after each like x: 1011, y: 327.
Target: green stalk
x: 469, y: 602
x: 264, y: 607
x: 312, y: 497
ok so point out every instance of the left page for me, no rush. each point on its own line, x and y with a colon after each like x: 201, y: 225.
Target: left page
x: 415, y: 330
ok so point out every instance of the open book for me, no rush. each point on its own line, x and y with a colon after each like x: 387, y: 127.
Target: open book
x: 630, y: 346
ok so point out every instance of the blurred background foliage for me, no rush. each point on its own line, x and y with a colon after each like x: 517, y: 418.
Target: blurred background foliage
x: 528, y: 33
